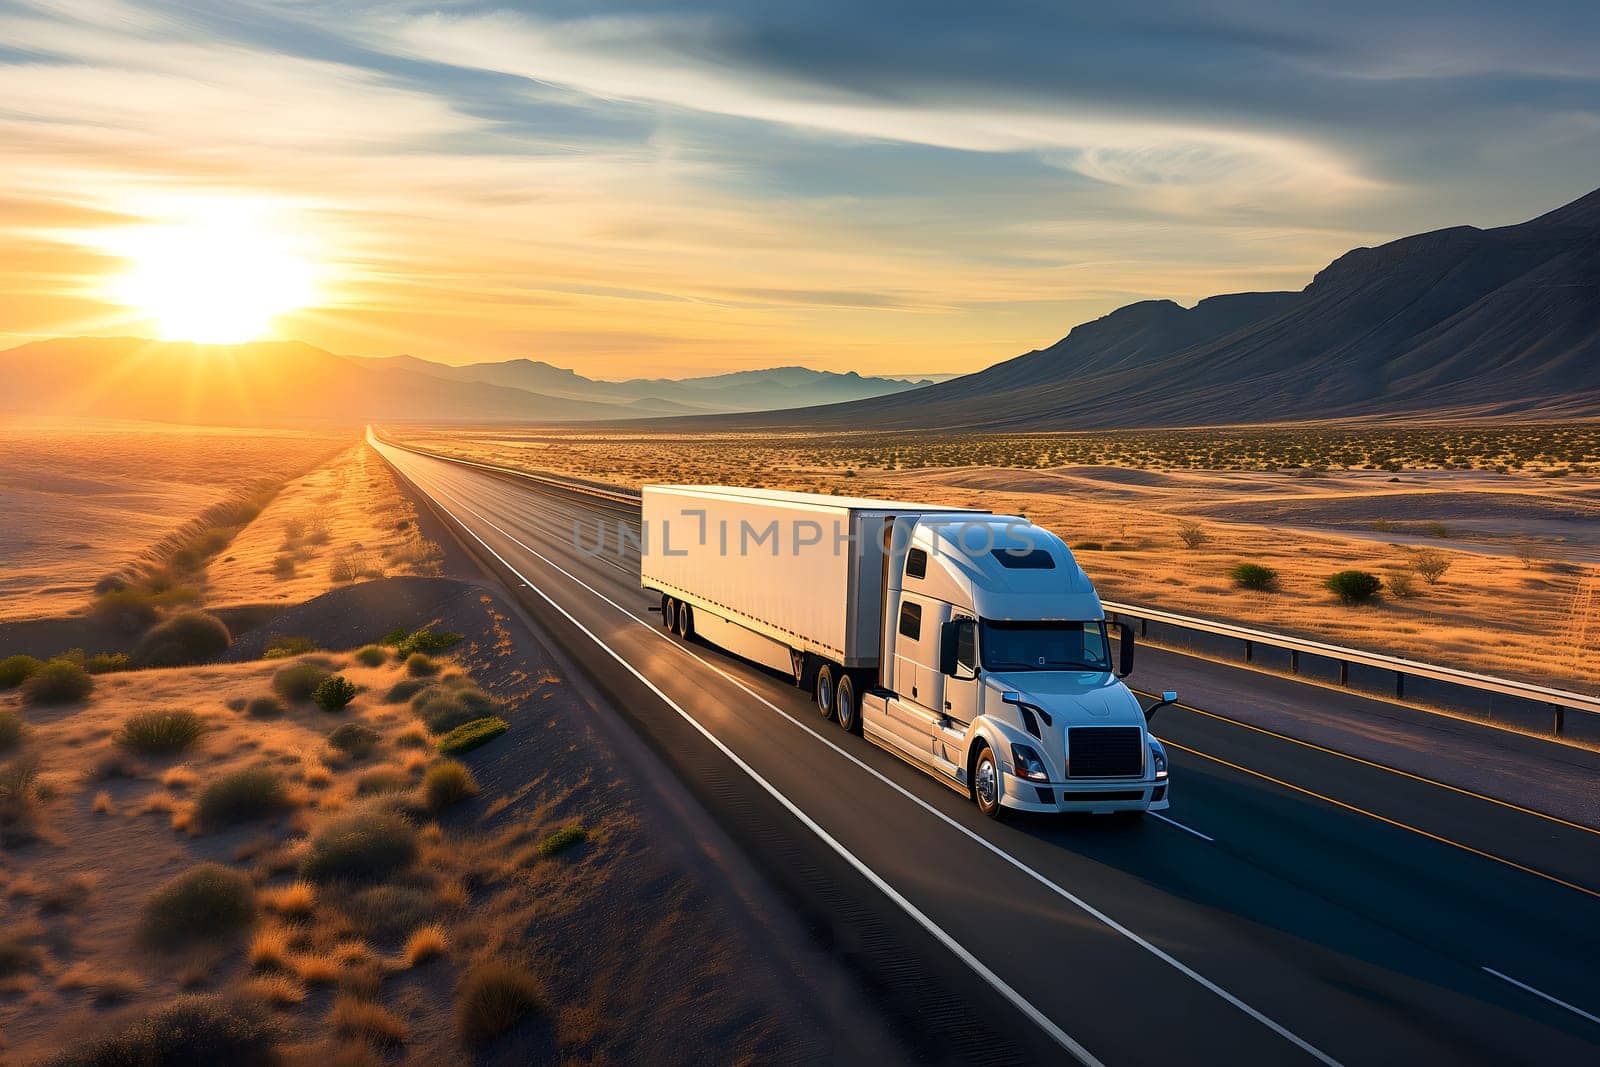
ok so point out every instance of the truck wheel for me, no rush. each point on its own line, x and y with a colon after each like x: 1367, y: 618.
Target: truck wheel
x: 825, y: 690
x: 986, y: 782
x: 686, y: 620
x: 845, y: 707
x: 669, y: 614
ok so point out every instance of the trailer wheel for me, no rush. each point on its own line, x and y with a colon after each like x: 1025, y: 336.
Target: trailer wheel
x: 686, y: 620
x: 845, y: 707
x: 825, y: 690
x: 669, y: 612
x: 986, y: 781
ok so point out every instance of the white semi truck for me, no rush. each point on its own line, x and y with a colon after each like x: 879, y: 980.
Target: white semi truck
x: 968, y: 643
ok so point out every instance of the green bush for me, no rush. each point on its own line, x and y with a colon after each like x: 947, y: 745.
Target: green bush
x: 404, y: 690
x: 10, y: 729
x: 334, y: 693
x: 1353, y: 587
x: 205, y: 902
x: 420, y: 665
x: 184, y: 1032
x: 189, y: 637
x: 264, y: 708
x: 563, y: 839
x: 448, y: 782
x: 284, y: 647
x: 299, y: 681
x: 242, y: 796
x: 372, y: 656
x: 354, y: 739
x: 160, y: 733
x: 129, y: 610
x: 443, y: 708
x: 14, y: 670
x: 60, y: 681
x: 468, y: 736
x: 107, y: 662
x: 1254, y: 576
x: 493, y: 998
x: 404, y: 642
x: 366, y: 845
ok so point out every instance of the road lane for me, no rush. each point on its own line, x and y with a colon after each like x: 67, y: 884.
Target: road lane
x: 1234, y: 954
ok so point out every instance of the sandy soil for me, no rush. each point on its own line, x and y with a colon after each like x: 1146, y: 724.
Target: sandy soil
x: 636, y: 957
x: 1520, y: 598
x: 83, y: 498
x: 344, y: 521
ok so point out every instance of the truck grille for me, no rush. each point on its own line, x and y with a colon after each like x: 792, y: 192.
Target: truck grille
x: 1105, y: 752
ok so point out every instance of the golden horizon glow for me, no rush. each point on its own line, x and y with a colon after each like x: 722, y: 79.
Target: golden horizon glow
x: 220, y: 273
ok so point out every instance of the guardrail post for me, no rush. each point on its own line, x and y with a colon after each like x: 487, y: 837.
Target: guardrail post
x: 1249, y: 651
x: 1144, y: 627
x: 1294, y: 661
x: 1558, y: 721
x: 1344, y: 672
x: 1399, y: 685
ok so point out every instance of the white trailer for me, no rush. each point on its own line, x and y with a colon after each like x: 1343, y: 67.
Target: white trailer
x: 970, y: 644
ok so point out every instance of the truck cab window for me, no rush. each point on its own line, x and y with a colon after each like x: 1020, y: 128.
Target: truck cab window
x: 916, y: 563
x: 911, y: 621
x: 966, y: 649
x: 1045, y: 646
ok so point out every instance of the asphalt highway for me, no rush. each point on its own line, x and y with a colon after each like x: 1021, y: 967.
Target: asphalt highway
x: 1293, y: 906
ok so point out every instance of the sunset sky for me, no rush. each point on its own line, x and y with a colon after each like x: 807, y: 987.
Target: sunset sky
x: 655, y: 188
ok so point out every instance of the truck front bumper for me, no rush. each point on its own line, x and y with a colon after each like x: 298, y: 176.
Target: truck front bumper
x: 1098, y: 796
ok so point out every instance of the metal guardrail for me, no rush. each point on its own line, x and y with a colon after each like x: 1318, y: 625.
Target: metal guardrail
x: 1536, y: 708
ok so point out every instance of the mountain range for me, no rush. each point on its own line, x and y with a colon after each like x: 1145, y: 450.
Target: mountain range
x: 261, y: 382
x: 1456, y: 322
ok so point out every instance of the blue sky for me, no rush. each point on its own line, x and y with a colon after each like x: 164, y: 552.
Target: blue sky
x: 665, y: 188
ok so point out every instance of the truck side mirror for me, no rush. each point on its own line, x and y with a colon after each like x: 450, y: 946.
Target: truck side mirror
x: 1168, y: 698
x: 1125, y: 659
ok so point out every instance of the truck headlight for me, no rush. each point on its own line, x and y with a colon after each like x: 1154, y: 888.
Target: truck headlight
x: 1028, y: 764
x: 1158, y: 759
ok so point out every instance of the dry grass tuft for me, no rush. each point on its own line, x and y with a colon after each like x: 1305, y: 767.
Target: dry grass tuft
x: 103, y: 804
x: 278, y: 990
x: 365, y: 1021
x: 180, y: 777
x: 493, y: 998
x: 271, y: 950
x: 424, y: 944
x: 294, y: 901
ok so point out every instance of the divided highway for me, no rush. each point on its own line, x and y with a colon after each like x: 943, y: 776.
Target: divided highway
x: 1296, y: 907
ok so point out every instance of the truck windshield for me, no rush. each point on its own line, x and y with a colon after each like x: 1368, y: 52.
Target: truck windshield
x: 1044, y: 646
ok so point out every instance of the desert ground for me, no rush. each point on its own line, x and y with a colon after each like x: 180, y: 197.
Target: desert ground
x: 86, y: 499
x: 1511, y: 514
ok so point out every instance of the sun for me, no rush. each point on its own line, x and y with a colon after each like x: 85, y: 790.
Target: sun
x: 219, y: 274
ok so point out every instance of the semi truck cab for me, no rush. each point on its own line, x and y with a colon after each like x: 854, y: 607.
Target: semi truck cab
x: 1000, y: 674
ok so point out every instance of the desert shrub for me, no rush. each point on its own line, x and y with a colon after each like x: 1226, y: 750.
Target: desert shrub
x: 1193, y: 535
x: 242, y: 796
x: 421, y: 665
x: 405, y: 642
x: 364, y: 1020
x: 390, y: 911
x: 1353, y: 587
x: 129, y: 610
x: 1436, y: 529
x: 346, y: 567
x: 264, y: 708
x: 363, y: 845
x: 205, y: 902
x: 424, y: 944
x: 16, y: 957
x: 11, y: 728
x: 284, y: 647
x: 1402, y: 585
x: 372, y: 656
x: 299, y: 681
x: 283, y: 567
x: 107, y: 662
x: 189, y: 637
x: 354, y: 739
x: 382, y: 780
x: 19, y: 794
x: 14, y: 670
x: 1254, y: 576
x: 60, y: 681
x: 563, y: 839
x: 334, y: 693
x: 404, y: 690
x: 442, y: 709
x: 184, y: 1032
x: 493, y: 998
x: 160, y: 733
x: 468, y: 736
x: 448, y: 782
x: 1382, y: 526
x: 1430, y: 565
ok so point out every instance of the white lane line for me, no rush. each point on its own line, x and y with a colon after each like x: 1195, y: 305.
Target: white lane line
x: 1543, y: 995
x: 1059, y: 890
x: 1179, y: 825
x: 1058, y: 1035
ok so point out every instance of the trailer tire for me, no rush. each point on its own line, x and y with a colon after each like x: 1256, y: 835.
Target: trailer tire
x: 670, y: 614
x: 986, y: 781
x: 824, y: 690
x: 846, y: 708
x: 686, y: 621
